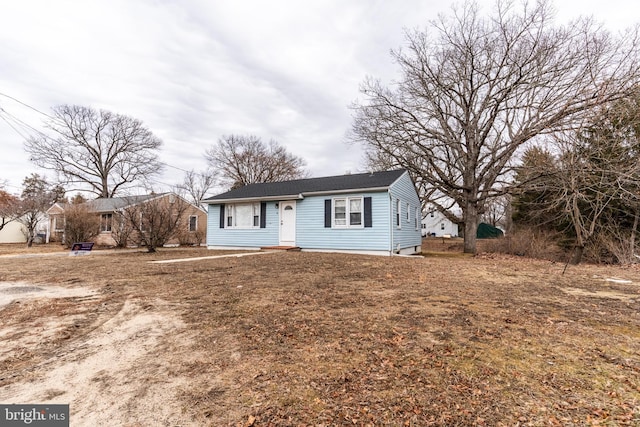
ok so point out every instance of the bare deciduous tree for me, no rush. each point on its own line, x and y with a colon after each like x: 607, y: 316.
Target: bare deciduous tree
x: 37, y: 196
x: 498, y: 212
x: 98, y: 151
x: 590, y: 188
x: 196, y: 185
x: 475, y: 89
x: 243, y: 160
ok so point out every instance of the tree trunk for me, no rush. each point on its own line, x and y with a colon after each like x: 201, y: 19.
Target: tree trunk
x: 470, y: 228
x: 577, y: 255
x: 632, y: 238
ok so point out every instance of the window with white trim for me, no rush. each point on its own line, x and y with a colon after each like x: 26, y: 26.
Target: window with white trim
x: 408, y: 212
x: 417, y: 216
x: 193, y: 223
x: 58, y: 223
x: 105, y: 222
x: 398, y: 209
x: 242, y: 215
x: 348, y: 212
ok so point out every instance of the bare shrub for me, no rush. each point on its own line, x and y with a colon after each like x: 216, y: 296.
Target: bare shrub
x: 122, y: 231
x: 529, y: 243
x: 81, y: 225
x: 185, y: 238
x: 612, y: 247
x: 190, y: 238
x: 157, y: 220
x: 199, y: 236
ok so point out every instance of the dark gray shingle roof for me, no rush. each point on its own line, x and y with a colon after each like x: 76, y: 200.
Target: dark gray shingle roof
x: 115, y: 203
x: 360, y: 181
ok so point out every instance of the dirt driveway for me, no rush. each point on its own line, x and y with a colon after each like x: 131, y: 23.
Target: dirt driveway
x: 320, y: 339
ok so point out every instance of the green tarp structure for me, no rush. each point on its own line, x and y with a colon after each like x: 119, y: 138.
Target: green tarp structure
x: 486, y: 231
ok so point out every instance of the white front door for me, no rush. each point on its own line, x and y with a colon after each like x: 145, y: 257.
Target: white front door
x: 288, y: 223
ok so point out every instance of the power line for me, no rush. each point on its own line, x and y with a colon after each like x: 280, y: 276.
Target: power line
x: 25, y: 130
x: 24, y: 125
x: 26, y: 105
x: 10, y: 124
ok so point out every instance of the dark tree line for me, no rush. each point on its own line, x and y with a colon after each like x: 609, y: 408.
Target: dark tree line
x: 586, y: 184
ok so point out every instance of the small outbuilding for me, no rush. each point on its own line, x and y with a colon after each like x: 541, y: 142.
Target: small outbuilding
x: 373, y: 213
x: 488, y: 231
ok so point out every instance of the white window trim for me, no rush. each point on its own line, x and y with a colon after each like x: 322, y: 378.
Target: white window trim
x: 417, y: 211
x: 398, y: 214
x: 106, y: 219
x: 408, y: 212
x: 56, y: 222
x: 189, y: 224
x: 347, y: 201
x: 230, y: 210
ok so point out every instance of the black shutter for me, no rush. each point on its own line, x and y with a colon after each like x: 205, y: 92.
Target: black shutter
x: 222, y: 216
x: 368, y: 221
x: 327, y: 213
x: 263, y: 215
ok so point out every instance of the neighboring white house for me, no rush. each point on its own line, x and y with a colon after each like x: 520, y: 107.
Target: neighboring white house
x: 434, y: 223
x: 15, y: 232
x: 12, y: 232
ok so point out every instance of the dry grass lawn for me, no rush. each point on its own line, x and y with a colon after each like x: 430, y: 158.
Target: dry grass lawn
x: 295, y: 339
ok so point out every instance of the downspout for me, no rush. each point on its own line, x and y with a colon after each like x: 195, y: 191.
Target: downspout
x: 391, y: 219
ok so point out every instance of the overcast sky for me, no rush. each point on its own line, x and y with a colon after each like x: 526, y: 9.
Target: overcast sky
x: 195, y: 70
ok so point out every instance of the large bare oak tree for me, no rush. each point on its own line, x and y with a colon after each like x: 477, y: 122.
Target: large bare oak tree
x: 242, y: 160
x: 474, y: 89
x: 98, y: 151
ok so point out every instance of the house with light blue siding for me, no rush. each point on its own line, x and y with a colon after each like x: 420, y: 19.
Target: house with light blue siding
x: 371, y: 213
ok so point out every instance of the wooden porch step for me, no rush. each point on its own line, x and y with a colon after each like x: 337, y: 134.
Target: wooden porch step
x: 281, y: 248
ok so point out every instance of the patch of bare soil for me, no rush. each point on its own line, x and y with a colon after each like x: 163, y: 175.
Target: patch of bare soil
x: 96, y: 349
x: 290, y: 339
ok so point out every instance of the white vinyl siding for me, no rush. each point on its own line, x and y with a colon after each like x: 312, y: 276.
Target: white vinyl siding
x: 252, y: 237
x: 403, y: 194
x: 312, y: 233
